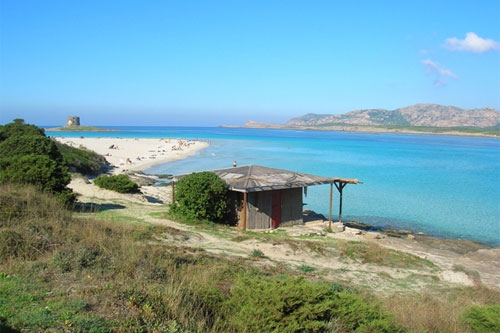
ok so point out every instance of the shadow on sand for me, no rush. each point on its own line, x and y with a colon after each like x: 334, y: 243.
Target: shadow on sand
x: 91, y: 207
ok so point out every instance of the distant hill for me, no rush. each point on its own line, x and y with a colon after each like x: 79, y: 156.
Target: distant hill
x: 427, y: 115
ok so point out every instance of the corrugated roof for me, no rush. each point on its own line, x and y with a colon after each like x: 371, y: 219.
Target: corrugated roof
x: 254, y: 178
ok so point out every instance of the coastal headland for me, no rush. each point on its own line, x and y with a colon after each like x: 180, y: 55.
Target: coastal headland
x: 415, y: 119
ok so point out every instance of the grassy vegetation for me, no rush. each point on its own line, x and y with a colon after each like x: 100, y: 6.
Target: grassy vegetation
x: 60, y: 272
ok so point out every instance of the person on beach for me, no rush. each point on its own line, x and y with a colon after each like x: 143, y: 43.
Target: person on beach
x: 235, y: 164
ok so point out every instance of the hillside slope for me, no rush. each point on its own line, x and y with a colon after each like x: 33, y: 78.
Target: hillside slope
x: 431, y: 115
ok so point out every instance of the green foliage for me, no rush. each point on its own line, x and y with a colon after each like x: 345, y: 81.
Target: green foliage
x: 201, y: 195
x: 15, y: 146
x: 17, y: 128
x: 483, y: 318
x: 117, y: 183
x: 27, y: 156
x: 39, y: 170
x: 26, y: 306
x: 82, y: 160
x: 256, y: 253
x: 306, y: 268
x: 296, y: 305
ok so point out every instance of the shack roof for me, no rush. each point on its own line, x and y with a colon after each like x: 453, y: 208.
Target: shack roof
x: 255, y: 178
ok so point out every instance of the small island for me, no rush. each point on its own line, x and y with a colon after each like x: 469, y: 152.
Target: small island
x: 73, y: 125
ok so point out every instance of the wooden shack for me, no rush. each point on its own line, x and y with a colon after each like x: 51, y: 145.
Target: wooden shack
x: 264, y: 198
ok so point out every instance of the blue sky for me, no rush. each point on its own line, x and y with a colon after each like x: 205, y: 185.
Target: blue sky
x: 207, y: 63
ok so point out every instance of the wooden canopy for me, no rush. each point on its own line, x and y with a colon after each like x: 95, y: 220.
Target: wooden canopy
x: 255, y: 178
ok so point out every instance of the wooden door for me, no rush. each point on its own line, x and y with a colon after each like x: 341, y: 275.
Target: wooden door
x: 276, y: 209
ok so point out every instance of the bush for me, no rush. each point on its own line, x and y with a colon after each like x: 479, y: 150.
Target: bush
x: 30, y: 145
x: 27, y: 156
x: 81, y: 160
x: 39, y: 170
x: 17, y: 128
x: 296, y: 305
x: 483, y: 319
x: 117, y: 183
x: 201, y: 195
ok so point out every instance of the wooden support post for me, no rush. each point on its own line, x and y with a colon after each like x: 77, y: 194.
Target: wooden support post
x: 340, y: 186
x: 244, y: 211
x: 340, y: 205
x: 173, y: 190
x: 331, y: 202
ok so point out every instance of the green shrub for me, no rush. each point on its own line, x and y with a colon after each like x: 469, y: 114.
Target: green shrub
x: 82, y: 160
x: 117, y: 183
x: 27, y: 156
x: 39, y: 170
x: 17, y: 128
x: 296, y: 305
x: 201, y: 195
x: 483, y: 319
x: 256, y: 253
x: 30, y: 144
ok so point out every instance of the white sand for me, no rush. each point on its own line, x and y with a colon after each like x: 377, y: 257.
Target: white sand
x: 137, y: 154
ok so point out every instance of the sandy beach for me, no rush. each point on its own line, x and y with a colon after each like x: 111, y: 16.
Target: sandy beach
x: 136, y: 154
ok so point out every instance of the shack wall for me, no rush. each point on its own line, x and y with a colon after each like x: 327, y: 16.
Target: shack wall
x: 259, y: 210
x: 291, y: 206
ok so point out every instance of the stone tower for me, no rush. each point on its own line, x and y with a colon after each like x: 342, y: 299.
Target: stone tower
x: 73, y: 121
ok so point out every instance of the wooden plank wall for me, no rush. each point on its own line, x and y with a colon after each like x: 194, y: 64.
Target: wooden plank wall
x: 291, y: 206
x: 259, y: 210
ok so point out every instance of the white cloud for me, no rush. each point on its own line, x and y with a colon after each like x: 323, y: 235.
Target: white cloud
x: 472, y: 43
x: 441, y: 74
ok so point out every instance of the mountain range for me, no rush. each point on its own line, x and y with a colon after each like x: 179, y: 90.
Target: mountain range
x: 433, y: 118
x: 429, y: 115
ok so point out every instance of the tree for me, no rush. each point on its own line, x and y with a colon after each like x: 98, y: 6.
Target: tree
x: 201, y: 195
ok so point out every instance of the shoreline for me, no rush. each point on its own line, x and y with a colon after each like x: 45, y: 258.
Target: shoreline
x: 138, y: 154
x: 147, y: 147
x: 367, y: 130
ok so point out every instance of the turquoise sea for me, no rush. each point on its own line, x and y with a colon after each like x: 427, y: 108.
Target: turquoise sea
x: 446, y: 186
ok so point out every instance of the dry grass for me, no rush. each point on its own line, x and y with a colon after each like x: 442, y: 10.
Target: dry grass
x: 369, y: 252
x: 438, y: 313
x: 132, y: 281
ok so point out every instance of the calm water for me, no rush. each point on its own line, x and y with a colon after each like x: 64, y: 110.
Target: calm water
x: 442, y: 185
